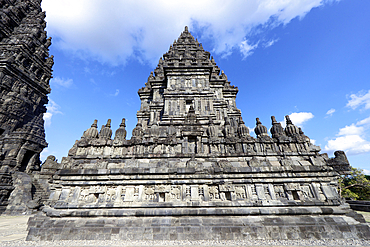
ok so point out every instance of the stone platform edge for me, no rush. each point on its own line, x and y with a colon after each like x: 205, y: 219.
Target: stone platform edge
x: 197, y: 228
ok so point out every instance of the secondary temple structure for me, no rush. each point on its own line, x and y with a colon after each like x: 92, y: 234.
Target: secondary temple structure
x: 192, y: 171
x: 25, y: 71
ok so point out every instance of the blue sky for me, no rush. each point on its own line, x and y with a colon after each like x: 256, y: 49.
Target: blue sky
x: 309, y: 59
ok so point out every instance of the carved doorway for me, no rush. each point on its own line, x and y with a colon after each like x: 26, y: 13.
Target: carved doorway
x: 192, y: 140
x: 27, y: 157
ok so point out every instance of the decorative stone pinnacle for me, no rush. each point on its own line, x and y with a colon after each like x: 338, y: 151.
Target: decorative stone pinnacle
x: 123, y: 124
x: 95, y: 124
x: 108, y: 123
x: 288, y: 121
x: 273, y: 119
x: 241, y: 121
x: 258, y: 121
x: 186, y: 29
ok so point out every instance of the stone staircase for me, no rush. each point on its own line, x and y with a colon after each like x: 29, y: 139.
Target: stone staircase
x: 39, y: 194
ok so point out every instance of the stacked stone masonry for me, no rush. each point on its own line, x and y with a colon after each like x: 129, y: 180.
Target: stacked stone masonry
x: 25, y: 71
x: 191, y: 170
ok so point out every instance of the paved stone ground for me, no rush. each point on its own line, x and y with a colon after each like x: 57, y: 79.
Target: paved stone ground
x: 13, y: 232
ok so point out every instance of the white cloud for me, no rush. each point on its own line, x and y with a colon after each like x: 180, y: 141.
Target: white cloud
x: 366, y: 172
x: 351, y: 139
x: 62, y: 82
x: 351, y: 130
x: 365, y: 121
x: 271, y: 42
x: 118, y: 30
x: 116, y: 93
x: 351, y: 144
x: 246, y: 49
x: 298, y: 118
x: 359, y: 99
x: 330, y: 112
x: 52, y: 108
x: 313, y: 141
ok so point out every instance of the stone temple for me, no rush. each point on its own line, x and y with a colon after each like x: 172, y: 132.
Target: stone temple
x: 192, y: 171
x: 25, y: 71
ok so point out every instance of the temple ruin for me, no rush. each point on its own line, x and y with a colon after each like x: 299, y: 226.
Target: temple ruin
x: 192, y: 171
x: 25, y: 71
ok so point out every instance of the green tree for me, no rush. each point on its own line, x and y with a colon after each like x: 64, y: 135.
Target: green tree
x: 355, y: 185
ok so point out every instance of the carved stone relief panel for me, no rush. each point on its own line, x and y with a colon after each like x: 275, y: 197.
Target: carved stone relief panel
x: 240, y: 192
x: 214, y: 194
x: 175, y: 193
x: 122, y: 194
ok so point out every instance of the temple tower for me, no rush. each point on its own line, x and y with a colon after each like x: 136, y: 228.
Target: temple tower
x: 187, y: 76
x: 25, y: 71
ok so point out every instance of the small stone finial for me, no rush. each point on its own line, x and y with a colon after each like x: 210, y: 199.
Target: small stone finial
x: 242, y: 130
x: 106, y: 131
x: 48, y: 42
x: 95, y: 124
x: 276, y: 130
x: 92, y: 132
x: 108, y: 123
x: 260, y: 129
x: 121, y: 132
x: 137, y: 132
x: 186, y: 29
x: 290, y: 129
x: 288, y: 121
x: 241, y: 121
x: 258, y: 121
x: 223, y: 76
x: 123, y: 124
